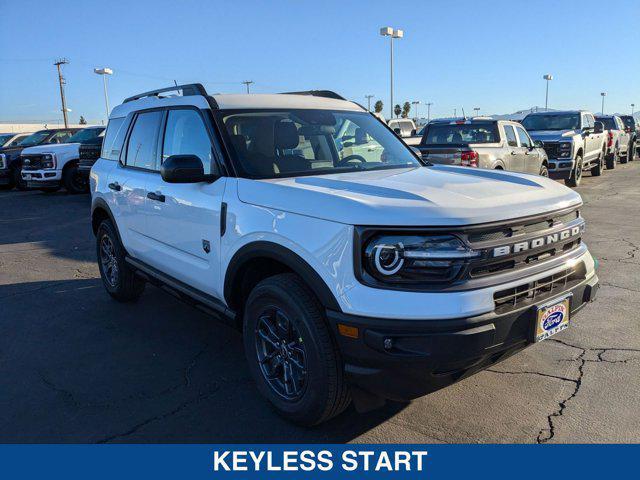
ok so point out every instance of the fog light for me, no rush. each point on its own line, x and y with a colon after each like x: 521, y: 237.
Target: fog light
x: 388, y: 344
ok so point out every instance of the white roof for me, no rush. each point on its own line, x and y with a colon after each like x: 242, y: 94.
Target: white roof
x: 244, y: 101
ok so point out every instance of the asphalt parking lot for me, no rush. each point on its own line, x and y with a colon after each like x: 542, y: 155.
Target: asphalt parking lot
x: 75, y: 366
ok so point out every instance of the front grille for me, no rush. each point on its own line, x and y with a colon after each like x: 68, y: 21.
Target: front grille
x: 89, y: 152
x: 552, y: 149
x: 511, y: 298
x: 35, y: 162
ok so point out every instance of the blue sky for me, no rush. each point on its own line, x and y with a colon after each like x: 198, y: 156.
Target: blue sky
x: 489, y: 54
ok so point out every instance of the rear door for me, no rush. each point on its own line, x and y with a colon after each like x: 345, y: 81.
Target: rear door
x: 183, y: 219
x: 521, y: 157
x: 128, y: 181
x: 591, y: 139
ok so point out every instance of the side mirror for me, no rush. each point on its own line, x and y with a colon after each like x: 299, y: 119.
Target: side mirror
x: 184, y: 169
x: 397, y: 130
x: 538, y: 144
x: 598, y: 128
x: 414, y: 132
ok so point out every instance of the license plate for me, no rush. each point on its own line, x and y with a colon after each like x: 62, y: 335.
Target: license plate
x: 552, y: 318
x: 27, y: 176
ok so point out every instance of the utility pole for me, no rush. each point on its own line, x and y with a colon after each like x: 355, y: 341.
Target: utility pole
x: 247, y: 83
x: 429, y: 111
x: 61, y: 80
x: 477, y: 110
x: 369, y: 97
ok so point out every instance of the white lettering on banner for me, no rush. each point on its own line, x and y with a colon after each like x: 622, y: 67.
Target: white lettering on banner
x: 308, y: 460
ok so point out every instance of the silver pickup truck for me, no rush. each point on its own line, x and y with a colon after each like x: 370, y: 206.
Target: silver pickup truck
x: 574, y: 142
x: 484, y: 143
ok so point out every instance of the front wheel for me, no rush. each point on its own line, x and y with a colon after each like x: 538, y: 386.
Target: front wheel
x: 597, y: 170
x: 118, y: 278
x: 544, y: 171
x: 291, y: 354
x: 576, y: 175
x: 18, y: 182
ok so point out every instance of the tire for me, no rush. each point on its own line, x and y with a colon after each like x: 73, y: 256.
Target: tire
x: 124, y: 286
x: 17, y: 178
x: 624, y: 158
x: 597, y: 170
x: 544, y: 171
x: 612, y: 159
x: 321, y: 391
x: 576, y: 175
x: 7, y: 186
x: 632, y: 151
x: 72, y: 180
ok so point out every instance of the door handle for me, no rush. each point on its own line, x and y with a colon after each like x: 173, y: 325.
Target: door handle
x: 513, y: 152
x: 115, y: 186
x: 527, y: 153
x: 157, y: 196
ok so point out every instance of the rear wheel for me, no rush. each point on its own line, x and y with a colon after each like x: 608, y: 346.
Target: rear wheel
x: 118, y: 278
x: 576, y: 175
x: 624, y: 158
x: 612, y: 159
x: 596, y: 171
x: 291, y: 354
x: 73, y: 181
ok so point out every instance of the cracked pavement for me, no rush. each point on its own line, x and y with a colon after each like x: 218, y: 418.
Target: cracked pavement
x: 77, y: 367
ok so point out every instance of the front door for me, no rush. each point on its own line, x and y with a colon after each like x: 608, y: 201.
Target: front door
x: 183, y: 220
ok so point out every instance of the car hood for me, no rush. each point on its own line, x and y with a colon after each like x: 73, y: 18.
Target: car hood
x: 426, y: 196
x: 52, y: 148
x: 552, y: 135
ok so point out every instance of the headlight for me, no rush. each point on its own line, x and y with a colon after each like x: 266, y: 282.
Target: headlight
x: 48, y: 161
x: 414, y: 259
x: 565, y: 149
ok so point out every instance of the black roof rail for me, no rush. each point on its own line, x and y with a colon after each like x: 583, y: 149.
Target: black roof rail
x: 187, y: 90
x: 318, y: 93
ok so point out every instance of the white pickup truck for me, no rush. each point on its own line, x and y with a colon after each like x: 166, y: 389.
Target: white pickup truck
x: 50, y: 167
x: 350, y: 276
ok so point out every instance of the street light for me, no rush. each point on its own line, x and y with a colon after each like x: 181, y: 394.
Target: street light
x: 548, y: 77
x: 416, y: 103
x: 477, y: 110
x: 104, y: 72
x: 632, y: 105
x: 369, y: 97
x: 429, y: 111
x: 603, y: 94
x: 391, y: 33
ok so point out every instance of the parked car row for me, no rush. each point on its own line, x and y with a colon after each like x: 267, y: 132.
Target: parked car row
x: 559, y: 144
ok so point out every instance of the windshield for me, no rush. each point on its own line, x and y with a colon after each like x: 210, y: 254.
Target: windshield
x: 284, y: 143
x: 564, y: 121
x: 447, y: 134
x: 85, y: 135
x: 608, y: 122
x: 33, y: 139
x: 628, y: 121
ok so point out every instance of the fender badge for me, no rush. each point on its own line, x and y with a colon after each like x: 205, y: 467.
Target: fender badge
x: 206, y: 246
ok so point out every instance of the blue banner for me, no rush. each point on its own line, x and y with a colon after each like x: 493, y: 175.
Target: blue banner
x: 319, y: 461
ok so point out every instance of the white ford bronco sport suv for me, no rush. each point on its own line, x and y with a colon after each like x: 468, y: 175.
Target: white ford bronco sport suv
x: 350, y: 277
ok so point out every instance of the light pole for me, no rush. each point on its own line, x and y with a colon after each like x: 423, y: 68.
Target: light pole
x: 429, y: 111
x: 603, y: 94
x: 247, y: 83
x: 369, y: 97
x: 632, y: 106
x: 104, y: 72
x: 548, y: 77
x: 391, y: 33
x: 416, y: 103
x: 477, y: 110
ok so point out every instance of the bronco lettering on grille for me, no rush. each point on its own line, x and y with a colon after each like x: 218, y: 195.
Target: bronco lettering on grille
x: 538, y: 242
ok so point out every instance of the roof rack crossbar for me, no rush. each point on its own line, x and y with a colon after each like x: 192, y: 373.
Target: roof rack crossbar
x: 317, y: 93
x: 187, y: 90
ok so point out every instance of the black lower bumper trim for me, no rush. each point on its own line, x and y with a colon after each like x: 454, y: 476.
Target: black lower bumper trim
x: 406, y: 359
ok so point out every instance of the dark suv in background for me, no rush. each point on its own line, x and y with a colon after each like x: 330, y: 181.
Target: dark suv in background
x: 11, y: 163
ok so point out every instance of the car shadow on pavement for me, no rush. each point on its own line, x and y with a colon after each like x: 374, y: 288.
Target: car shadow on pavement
x: 77, y: 366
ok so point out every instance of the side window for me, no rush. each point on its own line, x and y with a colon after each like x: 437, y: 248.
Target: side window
x: 524, y: 138
x: 112, y: 144
x: 591, y: 120
x: 511, y: 136
x: 186, y: 135
x: 60, y: 137
x: 143, y: 141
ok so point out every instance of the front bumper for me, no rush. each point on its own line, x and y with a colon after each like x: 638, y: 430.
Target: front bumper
x: 560, y: 168
x: 405, y: 359
x: 42, y: 178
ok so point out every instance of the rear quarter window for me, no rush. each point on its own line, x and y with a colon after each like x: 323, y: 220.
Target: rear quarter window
x: 114, y: 138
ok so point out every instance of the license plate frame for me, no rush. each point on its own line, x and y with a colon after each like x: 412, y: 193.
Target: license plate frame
x: 551, y: 318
